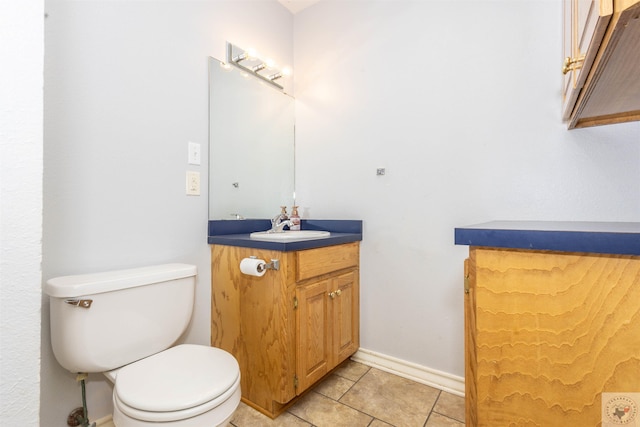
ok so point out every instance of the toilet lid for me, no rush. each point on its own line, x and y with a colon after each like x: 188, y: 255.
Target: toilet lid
x: 178, y: 378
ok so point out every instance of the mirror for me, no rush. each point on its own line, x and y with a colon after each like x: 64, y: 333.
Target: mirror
x: 251, y: 145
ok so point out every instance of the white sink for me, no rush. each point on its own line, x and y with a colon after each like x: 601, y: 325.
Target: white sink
x: 288, y: 235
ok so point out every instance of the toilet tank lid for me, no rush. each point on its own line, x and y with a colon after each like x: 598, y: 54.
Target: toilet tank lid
x: 108, y: 281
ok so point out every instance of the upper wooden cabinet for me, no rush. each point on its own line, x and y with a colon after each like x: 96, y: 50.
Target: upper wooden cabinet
x: 601, y: 62
x: 289, y: 327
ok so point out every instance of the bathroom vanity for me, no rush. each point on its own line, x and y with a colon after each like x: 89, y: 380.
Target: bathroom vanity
x: 552, y: 321
x: 289, y: 327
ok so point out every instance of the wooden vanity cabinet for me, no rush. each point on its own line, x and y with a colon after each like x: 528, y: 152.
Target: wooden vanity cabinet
x: 289, y: 327
x: 601, y: 62
x: 547, y: 333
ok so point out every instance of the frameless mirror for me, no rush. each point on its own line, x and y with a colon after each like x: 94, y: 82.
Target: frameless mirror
x: 251, y: 145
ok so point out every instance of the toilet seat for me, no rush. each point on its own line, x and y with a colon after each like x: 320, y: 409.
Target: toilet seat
x: 178, y: 383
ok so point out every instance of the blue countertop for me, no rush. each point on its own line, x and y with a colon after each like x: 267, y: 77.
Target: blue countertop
x: 236, y: 233
x: 619, y: 238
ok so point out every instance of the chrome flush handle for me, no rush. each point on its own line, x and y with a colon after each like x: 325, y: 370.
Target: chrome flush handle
x: 82, y: 303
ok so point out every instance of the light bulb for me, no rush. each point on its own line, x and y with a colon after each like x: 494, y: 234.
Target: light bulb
x: 252, y: 54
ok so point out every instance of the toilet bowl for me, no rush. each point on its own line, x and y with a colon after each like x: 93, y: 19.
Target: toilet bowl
x: 186, y: 386
x: 126, y: 323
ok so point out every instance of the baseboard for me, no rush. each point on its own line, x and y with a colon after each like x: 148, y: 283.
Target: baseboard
x: 412, y: 371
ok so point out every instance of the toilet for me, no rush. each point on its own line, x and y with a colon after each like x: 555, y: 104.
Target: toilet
x: 124, y: 324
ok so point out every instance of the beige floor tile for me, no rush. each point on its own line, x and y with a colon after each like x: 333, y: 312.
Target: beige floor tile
x: 378, y: 423
x: 450, y: 405
x: 392, y: 399
x: 246, y: 416
x: 321, y: 411
x: 334, y: 387
x: 351, y: 370
x: 437, y: 420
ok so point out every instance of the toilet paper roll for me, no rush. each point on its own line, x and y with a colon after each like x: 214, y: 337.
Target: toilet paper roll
x: 253, y: 267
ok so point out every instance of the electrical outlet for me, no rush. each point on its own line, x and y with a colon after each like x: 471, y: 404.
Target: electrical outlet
x: 194, y: 153
x: 193, y: 183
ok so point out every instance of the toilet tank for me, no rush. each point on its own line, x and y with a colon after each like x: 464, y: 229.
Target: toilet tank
x: 102, y: 321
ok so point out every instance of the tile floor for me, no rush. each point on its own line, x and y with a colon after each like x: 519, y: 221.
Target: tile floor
x: 356, y: 395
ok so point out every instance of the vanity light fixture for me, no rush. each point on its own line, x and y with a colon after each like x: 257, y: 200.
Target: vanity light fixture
x: 249, y: 62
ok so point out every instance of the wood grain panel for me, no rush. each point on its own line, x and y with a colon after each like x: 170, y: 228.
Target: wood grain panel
x: 346, y: 315
x: 553, y: 331
x: 315, y: 262
x: 470, y: 354
x: 252, y: 318
x: 313, y: 333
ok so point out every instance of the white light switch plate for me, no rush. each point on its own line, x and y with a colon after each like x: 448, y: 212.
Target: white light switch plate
x: 194, y: 153
x: 193, y: 183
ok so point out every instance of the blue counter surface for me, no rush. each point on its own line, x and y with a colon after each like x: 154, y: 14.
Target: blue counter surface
x: 619, y: 238
x: 236, y: 233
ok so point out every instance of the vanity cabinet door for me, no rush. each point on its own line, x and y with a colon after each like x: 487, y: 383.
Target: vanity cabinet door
x: 346, y: 316
x: 328, y: 332
x: 313, y: 333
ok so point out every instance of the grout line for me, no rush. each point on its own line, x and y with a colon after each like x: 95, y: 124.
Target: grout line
x: 373, y: 418
x: 350, y: 407
x: 448, y: 417
x: 432, y: 408
x: 301, y: 419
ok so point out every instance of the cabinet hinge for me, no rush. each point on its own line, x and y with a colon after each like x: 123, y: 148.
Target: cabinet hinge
x: 295, y: 303
x: 466, y: 284
x: 295, y: 381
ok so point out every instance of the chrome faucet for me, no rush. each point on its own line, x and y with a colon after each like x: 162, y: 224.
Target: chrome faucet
x: 279, y: 222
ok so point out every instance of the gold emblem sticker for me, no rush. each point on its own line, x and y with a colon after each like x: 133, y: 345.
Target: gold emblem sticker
x: 620, y: 409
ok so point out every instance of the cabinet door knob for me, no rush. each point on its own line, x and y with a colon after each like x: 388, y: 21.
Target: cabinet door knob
x: 332, y: 295
x: 338, y: 292
x: 571, y: 64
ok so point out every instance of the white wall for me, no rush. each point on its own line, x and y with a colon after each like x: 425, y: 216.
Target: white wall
x: 125, y: 90
x: 21, y: 59
x: 460, y: 102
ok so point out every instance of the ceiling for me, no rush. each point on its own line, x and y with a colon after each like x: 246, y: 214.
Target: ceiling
x: 296, y: 6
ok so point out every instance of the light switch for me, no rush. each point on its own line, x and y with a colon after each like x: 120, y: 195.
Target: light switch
x: 193, y: 183
x: 194, y: 153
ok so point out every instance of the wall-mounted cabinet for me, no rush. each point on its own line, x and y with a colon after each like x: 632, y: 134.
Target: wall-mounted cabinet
x: 602, y: 62
x: 289, y: 327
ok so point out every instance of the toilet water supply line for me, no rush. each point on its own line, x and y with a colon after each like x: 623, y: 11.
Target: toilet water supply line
x: 84, y: 419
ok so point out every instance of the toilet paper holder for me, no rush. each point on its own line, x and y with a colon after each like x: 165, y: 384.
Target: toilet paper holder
x: 273, y: 265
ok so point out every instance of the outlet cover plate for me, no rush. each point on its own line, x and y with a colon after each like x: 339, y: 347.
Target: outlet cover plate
x: 193, y: 183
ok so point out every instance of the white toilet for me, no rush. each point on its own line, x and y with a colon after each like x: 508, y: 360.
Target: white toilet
x: 123, y: 324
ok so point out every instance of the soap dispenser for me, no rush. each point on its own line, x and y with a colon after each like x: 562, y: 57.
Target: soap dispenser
x: 283, y: 213
x: 295, y: 219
